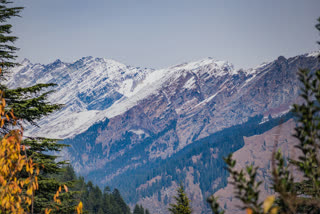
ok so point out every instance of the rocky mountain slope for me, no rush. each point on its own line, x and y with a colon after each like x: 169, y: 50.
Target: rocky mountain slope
x: 200, y: 166
x: 86, y: 88
x: 189, y: 103
x: 258, y: 150
x: 124, y: 121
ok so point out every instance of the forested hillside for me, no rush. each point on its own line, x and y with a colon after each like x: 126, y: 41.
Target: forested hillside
x: 200, y: 167
x: 94, y: 200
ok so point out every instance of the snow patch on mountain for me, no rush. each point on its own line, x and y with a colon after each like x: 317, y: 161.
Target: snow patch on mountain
x: 190, y: 84
x: 61, y: 127
x: 313, y: 54
x: 93, y: 89
x: 211, y: 66
x: 154, y: 82
x: 86, y: 87
x: 222, y: 87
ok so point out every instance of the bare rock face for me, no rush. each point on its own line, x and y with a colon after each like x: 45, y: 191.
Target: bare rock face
x: 258, y: 151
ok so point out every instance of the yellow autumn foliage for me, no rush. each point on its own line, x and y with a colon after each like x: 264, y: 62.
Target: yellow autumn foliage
x: 16, y: 193
x: 79, y: 208
x: 12, y: 163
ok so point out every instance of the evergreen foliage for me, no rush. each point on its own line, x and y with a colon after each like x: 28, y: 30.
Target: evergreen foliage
x: 7, y: 49
x: 182, y: 205
x: 53, y: 174
x: 28, y: 105
x: 138, y: 209
x: 95, y: 201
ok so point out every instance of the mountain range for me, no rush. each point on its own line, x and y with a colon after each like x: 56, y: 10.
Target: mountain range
x: 146, y: 130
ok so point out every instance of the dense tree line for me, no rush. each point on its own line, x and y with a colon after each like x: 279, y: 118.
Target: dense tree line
x: 209, y: 168
x: 138, y: 209
x: 94, y: 200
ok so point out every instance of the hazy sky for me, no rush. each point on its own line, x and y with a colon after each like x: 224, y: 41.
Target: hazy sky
x: 160, y: 33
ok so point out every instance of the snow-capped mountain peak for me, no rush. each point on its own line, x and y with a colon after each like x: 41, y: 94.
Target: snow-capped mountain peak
x: 93, y: 89
x: 25, y: 61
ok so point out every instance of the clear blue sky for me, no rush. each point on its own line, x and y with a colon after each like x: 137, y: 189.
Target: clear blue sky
x: 160, y: 33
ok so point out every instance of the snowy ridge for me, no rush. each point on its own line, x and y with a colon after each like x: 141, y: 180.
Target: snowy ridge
x: 155, y: 80
x: 313, y: 54
x: 94, y: 89
x: 86, y: 87
x: 214, y: 67
x: 90, y: 81
x: 189, y: 84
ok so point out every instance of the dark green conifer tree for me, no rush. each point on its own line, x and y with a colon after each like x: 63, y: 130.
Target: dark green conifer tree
x: 182, y: 205
x: 30, y: 104
x: 53, y: 174
x: 119, y: 200
x: 7, y: 49
x: 94, y: 201
x: 137, y: 210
